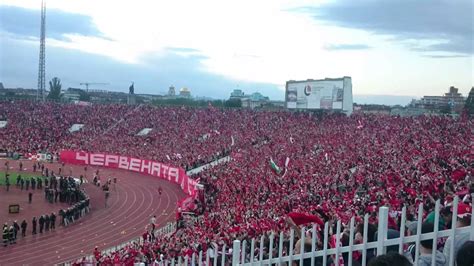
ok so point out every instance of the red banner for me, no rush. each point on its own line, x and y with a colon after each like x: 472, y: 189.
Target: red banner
x: 170, y: 173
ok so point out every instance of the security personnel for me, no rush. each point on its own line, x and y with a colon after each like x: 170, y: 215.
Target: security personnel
x: 39, y: 180
x: 7, y: 181
x: 46, y: 223
x: 52, y: 219
x: 34, y: 222
x: 17, y: 229
x: 41, y: 223
x: 23, y: 228
x: 12, y: 235
x: 5, y: 235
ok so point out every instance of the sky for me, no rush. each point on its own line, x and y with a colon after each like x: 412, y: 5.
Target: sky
x: 393, y: 50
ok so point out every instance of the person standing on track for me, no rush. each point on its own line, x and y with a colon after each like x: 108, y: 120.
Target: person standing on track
x: 41, y: 223
x: 5, y: 234
x: 52, y: 219
x: 17, y: 229
x: 106, y: 192
x: 7, y: 181
x: 24, y: 225
x: 33, y: 222
x: 11, y: 235
x: 46, y: 223
x: 160, y: 190
x: 153, y: 223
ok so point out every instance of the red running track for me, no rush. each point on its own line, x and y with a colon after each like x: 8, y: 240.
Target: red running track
x: 130, y: 207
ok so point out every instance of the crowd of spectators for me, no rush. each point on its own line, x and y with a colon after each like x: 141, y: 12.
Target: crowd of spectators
x: 332, y: 166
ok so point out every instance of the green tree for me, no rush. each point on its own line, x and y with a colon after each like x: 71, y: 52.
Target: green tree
x: 233, y: 103
x: 469, y: 106
x: 445, y: 109
x: 84, y: 96
x: 54, y: 89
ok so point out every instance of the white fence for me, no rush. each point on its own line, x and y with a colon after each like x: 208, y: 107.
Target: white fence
x: 236, y: 255
x: 168, y: 229
x: 165, y: 230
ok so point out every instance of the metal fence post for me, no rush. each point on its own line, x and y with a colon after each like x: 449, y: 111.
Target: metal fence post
x: 382, y: 230
x: 236, y: 253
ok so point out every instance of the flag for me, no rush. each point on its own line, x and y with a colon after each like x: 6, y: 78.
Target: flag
x: 274, y: 166
x: 287, y: 161
x: 353, y: 169
x: 302, y: 218
x: 458, y: 174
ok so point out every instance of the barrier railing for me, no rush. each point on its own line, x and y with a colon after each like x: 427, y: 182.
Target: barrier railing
x: 169, y: 228
x: 269, y: 251
x: 165, y: 230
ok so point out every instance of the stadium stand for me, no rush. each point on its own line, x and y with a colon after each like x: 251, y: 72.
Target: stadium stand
x: 287, y: 168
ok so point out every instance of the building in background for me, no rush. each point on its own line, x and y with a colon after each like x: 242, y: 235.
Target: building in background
x: 17, y: 93
x: 452, y: 101
x: 254, y: 100
x: 72, y: 94
x: 185, y: 93
x: 237, y: 94
x: 171, y: 91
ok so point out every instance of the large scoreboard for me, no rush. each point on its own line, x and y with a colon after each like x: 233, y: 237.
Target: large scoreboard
x: 326, y: 94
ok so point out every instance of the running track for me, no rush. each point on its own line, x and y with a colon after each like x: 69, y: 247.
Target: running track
x: 130, y: 208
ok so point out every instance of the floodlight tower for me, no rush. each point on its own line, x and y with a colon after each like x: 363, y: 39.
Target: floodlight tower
x: 41, y: 93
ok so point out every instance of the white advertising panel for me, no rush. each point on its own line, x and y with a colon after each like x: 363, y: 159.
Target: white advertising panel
x: 328, y: 94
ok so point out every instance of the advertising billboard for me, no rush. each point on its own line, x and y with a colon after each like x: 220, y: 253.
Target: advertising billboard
x: 326, y: 94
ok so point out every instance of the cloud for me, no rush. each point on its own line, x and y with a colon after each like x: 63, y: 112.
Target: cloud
x: 25, y: 23
x: 448, y: 23
x: 445, y: 56
x: 337, y: 47
x: 182, y: 49
x: 154, y: 76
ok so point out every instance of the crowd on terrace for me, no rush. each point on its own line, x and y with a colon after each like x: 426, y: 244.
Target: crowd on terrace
x: 332, y: 166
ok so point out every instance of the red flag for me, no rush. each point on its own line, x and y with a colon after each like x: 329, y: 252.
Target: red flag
x: 302, y: 218
x: 458, y: 174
